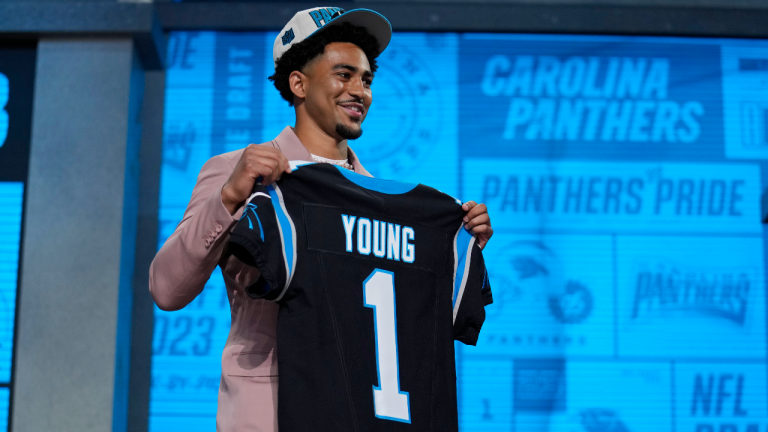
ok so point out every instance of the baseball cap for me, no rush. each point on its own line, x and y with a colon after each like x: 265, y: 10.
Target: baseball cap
x: 309, y: 22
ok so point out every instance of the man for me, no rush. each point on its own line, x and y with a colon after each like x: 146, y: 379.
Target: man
x: 324, y: 67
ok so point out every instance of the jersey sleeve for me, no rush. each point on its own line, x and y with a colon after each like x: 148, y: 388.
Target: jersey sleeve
x: 471, y: 288
x: 265, y: 237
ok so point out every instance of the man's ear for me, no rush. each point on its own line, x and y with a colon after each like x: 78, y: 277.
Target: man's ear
x: 298, y: 82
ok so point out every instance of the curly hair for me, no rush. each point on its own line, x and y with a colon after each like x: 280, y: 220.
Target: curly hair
x: 299, y: 55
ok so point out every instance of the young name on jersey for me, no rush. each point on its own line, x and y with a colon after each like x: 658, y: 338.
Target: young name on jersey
x: 375, y: 236
x: 380, y: 238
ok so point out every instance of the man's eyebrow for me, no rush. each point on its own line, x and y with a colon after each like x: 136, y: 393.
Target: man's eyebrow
x: 351, y: 68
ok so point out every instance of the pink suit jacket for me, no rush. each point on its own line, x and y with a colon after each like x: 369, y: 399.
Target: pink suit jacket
x: 248, y: 387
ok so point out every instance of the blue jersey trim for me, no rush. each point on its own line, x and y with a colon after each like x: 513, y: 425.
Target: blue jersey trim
x: 463, y: 238
x: 287, y: 231
x: 390, y: 187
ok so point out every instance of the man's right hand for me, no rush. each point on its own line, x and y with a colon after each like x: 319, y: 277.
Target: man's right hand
x: 256, y: 161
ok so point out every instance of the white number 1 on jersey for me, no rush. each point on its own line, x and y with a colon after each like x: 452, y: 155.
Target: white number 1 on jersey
x: 379, y: 293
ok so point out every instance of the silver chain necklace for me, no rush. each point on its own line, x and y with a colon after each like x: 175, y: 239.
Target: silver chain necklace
x: 338, y: 162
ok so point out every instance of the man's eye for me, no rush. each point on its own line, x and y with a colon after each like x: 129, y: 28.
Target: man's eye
x: 344, y: 75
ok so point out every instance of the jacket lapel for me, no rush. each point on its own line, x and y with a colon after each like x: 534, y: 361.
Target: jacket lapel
x: 290, y: 146
x: 356, y: 163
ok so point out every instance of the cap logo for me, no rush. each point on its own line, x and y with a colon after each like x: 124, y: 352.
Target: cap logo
x: 323, y: 16
x: 288, y: 36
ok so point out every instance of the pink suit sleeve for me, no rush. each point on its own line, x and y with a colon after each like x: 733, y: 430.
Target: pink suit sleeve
x: 185, y: 262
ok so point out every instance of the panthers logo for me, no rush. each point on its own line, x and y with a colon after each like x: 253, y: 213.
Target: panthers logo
x: 573, y: 305
x: 602, y: 420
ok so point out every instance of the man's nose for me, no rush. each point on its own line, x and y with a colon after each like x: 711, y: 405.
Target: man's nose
x: 357, y: 89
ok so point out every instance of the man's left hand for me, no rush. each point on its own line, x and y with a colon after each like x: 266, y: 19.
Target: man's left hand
x: 478, y: 222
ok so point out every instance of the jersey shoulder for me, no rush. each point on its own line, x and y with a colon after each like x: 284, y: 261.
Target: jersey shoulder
x: 388, y: 187
x: 413, y: 201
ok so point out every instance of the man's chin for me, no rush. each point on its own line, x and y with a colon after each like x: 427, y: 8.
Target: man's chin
x: 349, y: 133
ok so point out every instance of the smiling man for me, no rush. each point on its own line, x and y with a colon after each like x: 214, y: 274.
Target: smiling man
x: 325, y: 63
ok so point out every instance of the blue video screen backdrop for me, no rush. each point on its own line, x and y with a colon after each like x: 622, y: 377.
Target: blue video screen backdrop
x: 623, y: 178
x: 17, y: 77
x: 11, y: 200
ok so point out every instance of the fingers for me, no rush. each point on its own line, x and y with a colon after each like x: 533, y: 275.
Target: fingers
x: 267, y: 169
x: 482, y: 230
x: 256, y: 161
x: 475, y: 211
x: 480, y: 226
x: 258, y: 166
x: 482, y: 219
x: 478, y: 222
x: 265, y: 162
x: 483, y: 234
x: 282, y: 161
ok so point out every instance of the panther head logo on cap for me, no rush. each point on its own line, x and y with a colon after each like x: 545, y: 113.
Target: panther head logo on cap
x: 288, y: 36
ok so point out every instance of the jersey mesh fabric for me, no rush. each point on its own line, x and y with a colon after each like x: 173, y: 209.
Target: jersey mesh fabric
x: 365, y: 333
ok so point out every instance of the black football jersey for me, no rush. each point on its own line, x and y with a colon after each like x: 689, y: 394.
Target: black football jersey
x: 375, y: 280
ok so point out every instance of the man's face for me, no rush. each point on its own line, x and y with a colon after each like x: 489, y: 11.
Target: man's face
x: 339, y: 90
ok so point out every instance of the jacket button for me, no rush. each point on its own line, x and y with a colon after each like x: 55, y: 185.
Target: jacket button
x: 207, y: 243
x: 218, y: 228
